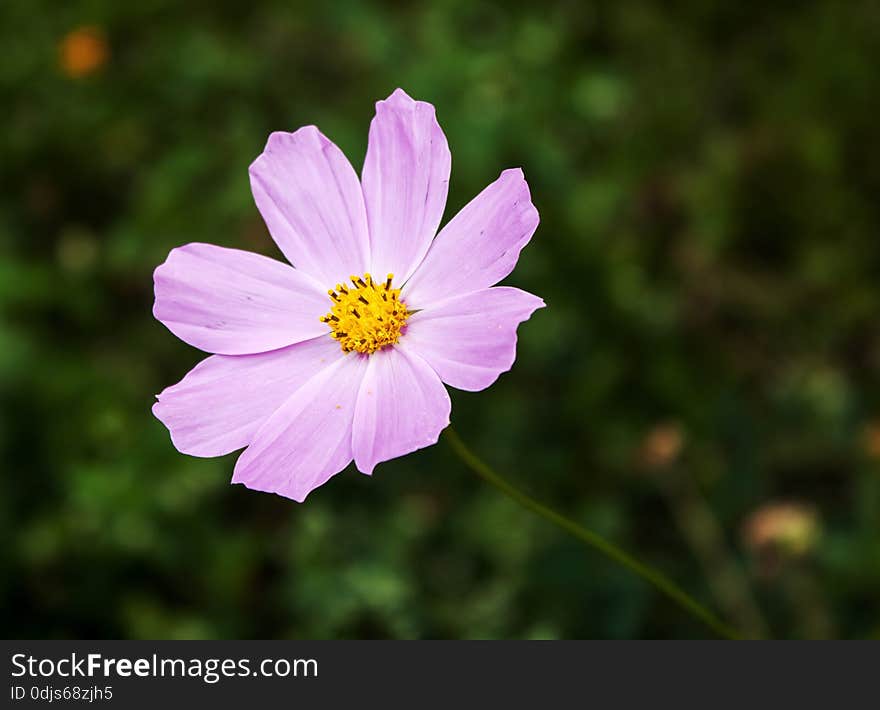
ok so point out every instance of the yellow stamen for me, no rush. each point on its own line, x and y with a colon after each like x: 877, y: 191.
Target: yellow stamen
x: 364, y: 319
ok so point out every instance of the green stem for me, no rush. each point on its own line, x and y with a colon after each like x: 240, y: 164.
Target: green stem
x: 591, y: 539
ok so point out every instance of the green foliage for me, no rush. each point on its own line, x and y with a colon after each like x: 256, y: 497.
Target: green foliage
x: 708, y: 177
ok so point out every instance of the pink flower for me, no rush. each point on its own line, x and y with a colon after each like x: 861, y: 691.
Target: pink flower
x: 343, y: 355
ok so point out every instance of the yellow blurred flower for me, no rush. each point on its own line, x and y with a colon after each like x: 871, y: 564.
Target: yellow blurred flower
x: 83, y: 51
x: 77, y: 250
x: 790, y: 528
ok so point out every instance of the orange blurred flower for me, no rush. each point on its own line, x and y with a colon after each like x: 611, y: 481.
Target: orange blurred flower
x: 83, y: 51
x: 661, y: 446
x: 871, y: 439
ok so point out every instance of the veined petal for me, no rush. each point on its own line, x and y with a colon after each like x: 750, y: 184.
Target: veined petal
x: 470, y: 340
x: 311, y: 200
x: 402, y: 406
x: 479, y: 246
x: 235, y: 302
x: 308, y: 439
x: 222, y: 402
x: 405, y: 181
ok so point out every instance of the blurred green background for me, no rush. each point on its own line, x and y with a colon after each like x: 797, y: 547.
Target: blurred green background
x: 704, y: 387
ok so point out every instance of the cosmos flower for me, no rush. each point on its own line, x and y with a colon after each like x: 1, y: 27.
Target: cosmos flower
x: 343, y: 355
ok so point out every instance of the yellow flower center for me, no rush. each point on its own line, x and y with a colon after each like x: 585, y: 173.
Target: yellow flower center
x: 367, y: 316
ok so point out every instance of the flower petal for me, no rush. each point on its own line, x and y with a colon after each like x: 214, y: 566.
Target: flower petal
x: 222, y: 402
x: 234, y: 302
x: 402, y: 406
x: 470, y: 340
x: 479, y: 246
x: 311, y: 200
x: 308, y: 439
x: 405, y: 179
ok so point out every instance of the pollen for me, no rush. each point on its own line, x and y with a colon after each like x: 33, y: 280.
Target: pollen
x: 366, y: 316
